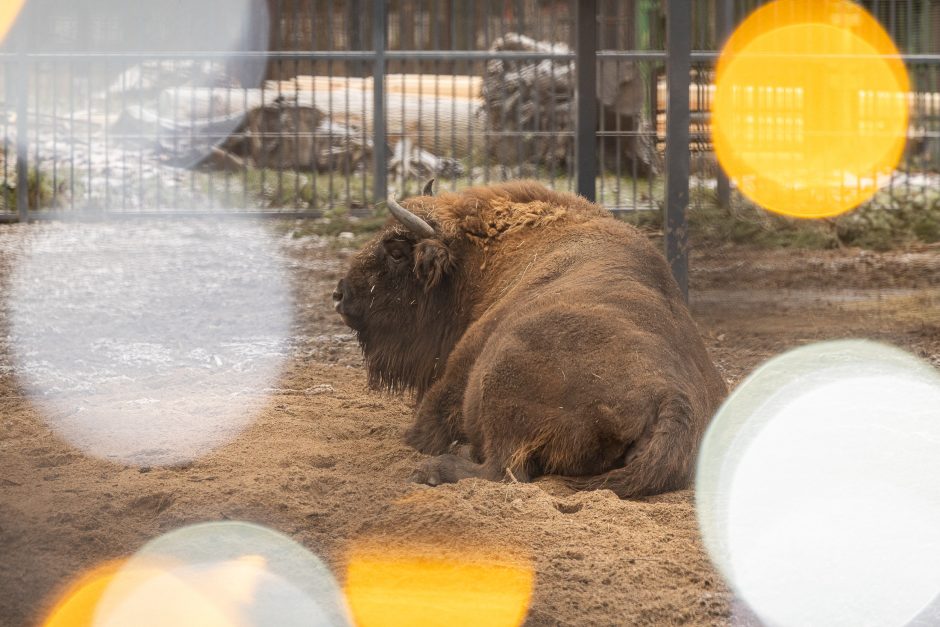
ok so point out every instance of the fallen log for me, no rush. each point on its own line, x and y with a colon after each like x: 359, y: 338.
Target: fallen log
x: 432, y: 85
x: 444, y: 126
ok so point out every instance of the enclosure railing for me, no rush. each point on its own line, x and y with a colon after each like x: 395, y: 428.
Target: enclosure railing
x: 72, y: 79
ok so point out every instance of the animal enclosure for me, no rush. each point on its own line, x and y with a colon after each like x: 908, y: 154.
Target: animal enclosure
x: 328, y: 105
x: 310, y: 116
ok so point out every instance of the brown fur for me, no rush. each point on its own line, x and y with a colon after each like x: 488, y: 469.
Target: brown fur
x: 546, y: 334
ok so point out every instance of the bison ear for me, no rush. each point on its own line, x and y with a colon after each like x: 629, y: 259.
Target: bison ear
x: 433, y: 261
x: 428, y: 188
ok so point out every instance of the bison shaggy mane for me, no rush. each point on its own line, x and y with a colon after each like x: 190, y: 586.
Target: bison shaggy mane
x: 540, y: 336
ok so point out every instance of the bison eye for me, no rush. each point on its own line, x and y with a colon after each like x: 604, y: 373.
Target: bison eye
x: 397, y: 250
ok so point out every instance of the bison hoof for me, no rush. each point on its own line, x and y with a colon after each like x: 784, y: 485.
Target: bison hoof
x: 445, y: 469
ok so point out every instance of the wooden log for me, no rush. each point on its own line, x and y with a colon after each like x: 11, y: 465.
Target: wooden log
x: 439, y: 85
x: 441, y: 125
x: 530, y: 111
x: 431, y: 85
x: 444, y: 126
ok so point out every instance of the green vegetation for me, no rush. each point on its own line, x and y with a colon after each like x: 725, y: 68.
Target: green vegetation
x: 41, y: 191
x: 304, y: 191
x: 335, y: 222
x: 891, y: 219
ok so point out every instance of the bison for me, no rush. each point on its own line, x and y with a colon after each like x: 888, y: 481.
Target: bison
x: 539, y: 334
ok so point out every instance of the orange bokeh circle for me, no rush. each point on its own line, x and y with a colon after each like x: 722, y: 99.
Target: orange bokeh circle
x: 9, y: 9
x: 810, y: 111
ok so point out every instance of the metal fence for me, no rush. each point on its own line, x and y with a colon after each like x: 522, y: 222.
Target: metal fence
x: 95, y: 140
x: 362, y: 97
x: 914, y: 26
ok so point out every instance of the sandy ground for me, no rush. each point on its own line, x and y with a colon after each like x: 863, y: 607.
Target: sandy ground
x: 324, y: 463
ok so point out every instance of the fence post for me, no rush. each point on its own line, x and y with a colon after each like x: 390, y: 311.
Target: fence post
x: 379, y: 152
x: 725, y: 24
x: 586, y: 65
x: 18, y: 85
x: 678, y: 66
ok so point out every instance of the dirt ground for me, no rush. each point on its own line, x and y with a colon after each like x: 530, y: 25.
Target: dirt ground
x: 324, y: 462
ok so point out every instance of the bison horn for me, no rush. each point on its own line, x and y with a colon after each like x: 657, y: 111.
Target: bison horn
x: 428, y: 188
x: 410, y: 220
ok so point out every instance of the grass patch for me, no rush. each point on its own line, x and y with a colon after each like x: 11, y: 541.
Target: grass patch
x: 41, y: 191
x: 334, y: 223
x: 889, y: 220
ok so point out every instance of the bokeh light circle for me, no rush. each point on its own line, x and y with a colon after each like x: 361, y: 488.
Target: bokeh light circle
x: 810, y: 110
x: 210, y: 574
x: 76, y: 607
x: 9, y: 9
x: 818, y: 487
x: 406, y: 585
x: 148, y: 342
x: 110, y: 83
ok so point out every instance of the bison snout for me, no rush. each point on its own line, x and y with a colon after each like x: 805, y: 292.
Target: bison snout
x: 345, y: 304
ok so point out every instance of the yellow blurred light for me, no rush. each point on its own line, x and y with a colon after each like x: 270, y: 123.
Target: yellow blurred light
x: 79, y: 602
x: 391, y: 590
x: 810, y: 109
x: 176, y: 594
x: 161, y: 594
x: 9, y: 9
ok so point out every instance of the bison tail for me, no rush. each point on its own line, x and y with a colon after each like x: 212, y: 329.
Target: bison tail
x: 660, y: 461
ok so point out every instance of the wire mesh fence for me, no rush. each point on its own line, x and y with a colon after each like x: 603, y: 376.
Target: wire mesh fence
x: 320, y: 106
x: 914, y: 27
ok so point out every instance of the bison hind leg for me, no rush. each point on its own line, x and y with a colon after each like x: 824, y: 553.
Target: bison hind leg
x: 660, y: 461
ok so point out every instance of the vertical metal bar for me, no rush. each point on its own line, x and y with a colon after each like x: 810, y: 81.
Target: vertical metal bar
x: 8, y: 99
x: 586, y: 137
x: 488, y: 130
x: 401, y: 68
x: 380, y: 156
x: 469, y: 69
x: 678, y: 66
x: 315, y: 68
x: 438, y: 146
x: 329, y: 98
x: 725, y: 24
x: 353, y: 25
x: 55, y: 134
x: 521, y: 140
x: 347, y: 137
x: 106, y: 133
x: 22, y: 138
x: 303, y: 8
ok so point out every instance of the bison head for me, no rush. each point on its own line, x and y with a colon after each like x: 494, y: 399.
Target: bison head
x: 400, y: 296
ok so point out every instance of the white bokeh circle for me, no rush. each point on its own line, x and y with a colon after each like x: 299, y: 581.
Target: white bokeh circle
x: 818, y: 487
x: 107, y: 82
x: 152, y: 342
x: 223, y: 573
